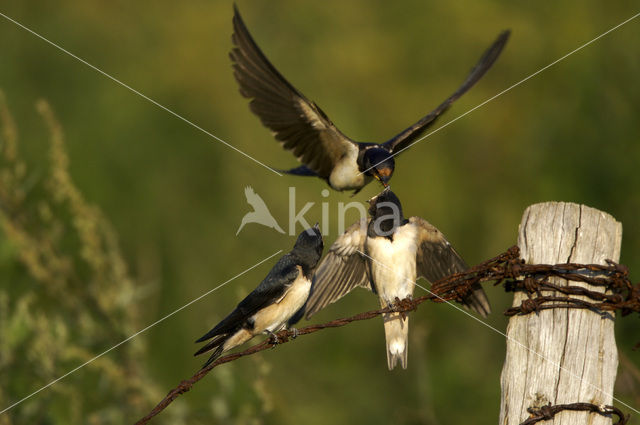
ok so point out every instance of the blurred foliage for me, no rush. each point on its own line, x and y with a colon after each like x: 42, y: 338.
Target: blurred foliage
x: 66, y: 296
x: 175, y: 196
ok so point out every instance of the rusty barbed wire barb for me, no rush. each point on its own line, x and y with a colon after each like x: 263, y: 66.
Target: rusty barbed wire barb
x: 547, y: 412
x: 623, y: 295
x: 506, y: 269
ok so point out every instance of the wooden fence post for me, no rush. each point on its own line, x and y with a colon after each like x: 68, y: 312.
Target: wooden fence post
x: 561, y: 356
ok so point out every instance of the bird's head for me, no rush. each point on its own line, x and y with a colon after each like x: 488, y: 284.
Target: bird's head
x: 380, y: 164
x: 386, y: 214
x: 309, y: 246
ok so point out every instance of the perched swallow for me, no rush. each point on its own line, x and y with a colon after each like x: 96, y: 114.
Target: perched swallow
x: 305, y: 130
x: 260, y: 213
x: 276, y: 299
x: 396, y: 251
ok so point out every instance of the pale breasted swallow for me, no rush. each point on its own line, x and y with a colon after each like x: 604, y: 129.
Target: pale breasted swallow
x: 386, y: 254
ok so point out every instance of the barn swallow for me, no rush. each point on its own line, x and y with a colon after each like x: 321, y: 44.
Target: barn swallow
x: 304, y: 129
x: 396, y: 251
x: 269, y: 307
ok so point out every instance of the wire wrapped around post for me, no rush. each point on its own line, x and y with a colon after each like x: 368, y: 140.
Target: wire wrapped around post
x: 561, y: 347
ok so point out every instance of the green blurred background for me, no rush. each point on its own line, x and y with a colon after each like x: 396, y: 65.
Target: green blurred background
x: 175, y: 197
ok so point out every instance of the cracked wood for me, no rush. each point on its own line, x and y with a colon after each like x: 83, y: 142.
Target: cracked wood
x: 561, y: 356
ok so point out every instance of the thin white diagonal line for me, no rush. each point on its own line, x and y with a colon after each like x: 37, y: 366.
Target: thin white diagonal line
x: 175, y: 114
x: 559, y: 366
x: 512, y: 86
x: 138, y: 333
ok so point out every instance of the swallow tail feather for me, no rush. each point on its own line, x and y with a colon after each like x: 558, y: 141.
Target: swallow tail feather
x: 223, y: 343
x: 396, y: 332
x: 217, y: 344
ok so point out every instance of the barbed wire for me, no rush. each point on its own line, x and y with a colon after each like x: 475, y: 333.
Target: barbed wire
x: 506, y: 269
x: 547, y: 413
x: 534, y: 279
x: 282, y: 337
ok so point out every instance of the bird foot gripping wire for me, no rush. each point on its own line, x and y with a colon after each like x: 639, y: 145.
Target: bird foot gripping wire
x: 294, y: 333
x: 404, y: 305
x: 273, y: 339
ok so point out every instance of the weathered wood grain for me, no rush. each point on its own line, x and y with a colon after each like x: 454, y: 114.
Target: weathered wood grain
x: 561, y: 355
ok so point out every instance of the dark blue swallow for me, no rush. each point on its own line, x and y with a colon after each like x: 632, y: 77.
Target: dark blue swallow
x: 304, y: 129
x: 271, y: 305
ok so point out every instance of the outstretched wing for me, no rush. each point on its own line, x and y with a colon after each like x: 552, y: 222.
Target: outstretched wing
x: 436, y: 259
x: 341, y: 270
x: 404, y: 139
x: 299, y: 124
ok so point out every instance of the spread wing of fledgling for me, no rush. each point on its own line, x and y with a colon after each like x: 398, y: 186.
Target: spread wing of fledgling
x: 341, y: 270
x: 436, y: 258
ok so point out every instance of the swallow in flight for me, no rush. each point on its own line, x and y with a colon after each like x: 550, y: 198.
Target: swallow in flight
x: 304, y: 129
x: 271, y: 305
x: 396, y: 252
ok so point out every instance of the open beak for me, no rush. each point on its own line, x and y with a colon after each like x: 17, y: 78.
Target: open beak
x: 383, y: 175
x: 377, y: 176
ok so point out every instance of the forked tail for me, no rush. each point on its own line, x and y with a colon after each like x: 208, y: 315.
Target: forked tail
x: 396, y: 332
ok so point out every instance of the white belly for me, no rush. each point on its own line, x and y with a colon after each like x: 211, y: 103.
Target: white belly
x: 393, y: 264
x: 274, y: 317
x: 346, y: 175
